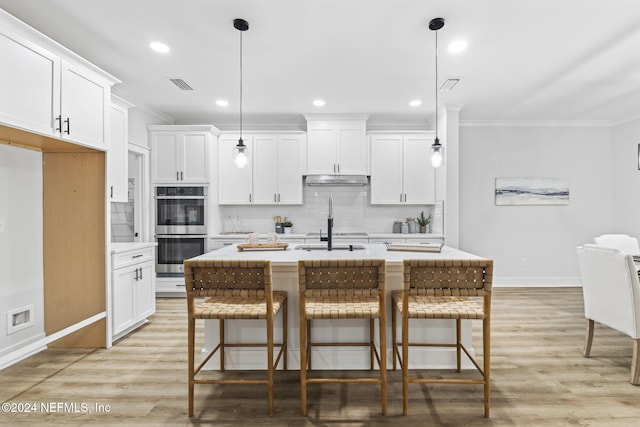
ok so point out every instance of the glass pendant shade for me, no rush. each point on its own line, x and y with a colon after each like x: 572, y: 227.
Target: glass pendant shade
x: 436, y: 158
x: 240, y: 154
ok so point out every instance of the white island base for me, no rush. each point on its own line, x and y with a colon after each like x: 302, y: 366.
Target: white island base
x: 285, y: 278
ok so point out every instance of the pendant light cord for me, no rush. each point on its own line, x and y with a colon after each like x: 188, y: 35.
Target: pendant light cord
x: 241, y: 85
x: 436, y: 88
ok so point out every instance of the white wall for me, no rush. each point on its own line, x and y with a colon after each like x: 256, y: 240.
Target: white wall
x: 138, y: 120
x: 21, y: 267
x: 544, y: 236
x: 626, y: 179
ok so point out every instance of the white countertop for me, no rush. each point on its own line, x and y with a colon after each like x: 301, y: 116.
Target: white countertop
x: 290, y: 256
x: 263, y: 236
x: 117, y: 247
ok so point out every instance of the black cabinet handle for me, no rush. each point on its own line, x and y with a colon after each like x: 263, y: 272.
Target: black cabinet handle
x: 112, y: 191
x: 136, y: 278
x: 137, y: 256
x: 181, y: 176
x: 140, y: 273
x: 177, y: 176
x: 68, y: 126
x: 59, y: 120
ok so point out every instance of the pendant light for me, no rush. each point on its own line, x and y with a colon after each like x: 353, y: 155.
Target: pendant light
x: 240, y: 150
x: 436, y: 157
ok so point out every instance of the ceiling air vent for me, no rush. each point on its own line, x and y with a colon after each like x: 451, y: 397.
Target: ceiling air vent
x: 181, y: 84
x: 449, y: 84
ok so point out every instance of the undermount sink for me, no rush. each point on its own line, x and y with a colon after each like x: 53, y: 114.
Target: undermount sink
x: 323, y: 247
x: 357, y: 234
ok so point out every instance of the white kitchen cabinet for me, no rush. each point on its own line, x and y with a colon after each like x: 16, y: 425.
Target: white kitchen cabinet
x: 118, y: 152
x: 235, y: 185
x: 277, y: 169
x: 181, y: 154
x: 401, y: 171
x: 273, y: 174
x: 337, y: 147
x: 46, y: 93
x: 133, y: 285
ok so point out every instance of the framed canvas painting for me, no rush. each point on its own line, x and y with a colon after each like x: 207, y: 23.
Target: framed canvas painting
x: 532, y: 191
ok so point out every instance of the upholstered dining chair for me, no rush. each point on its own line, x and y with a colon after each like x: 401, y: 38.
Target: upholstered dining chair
x: 234, y: 290
x: 611, y: 291
x: 342, y: 289
x: 444, y: 289
x: 622, y: 242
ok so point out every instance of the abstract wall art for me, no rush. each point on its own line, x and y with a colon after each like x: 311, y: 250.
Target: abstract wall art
x: 532, y: 191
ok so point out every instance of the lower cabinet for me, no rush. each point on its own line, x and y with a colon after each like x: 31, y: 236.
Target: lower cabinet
x: 134, y: 293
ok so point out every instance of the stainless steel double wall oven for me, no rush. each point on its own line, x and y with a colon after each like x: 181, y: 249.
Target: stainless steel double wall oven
x: 181, y: 227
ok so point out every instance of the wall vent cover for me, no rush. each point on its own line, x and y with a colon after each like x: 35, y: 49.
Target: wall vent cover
x: 181, y: 84
x: 449, y: 83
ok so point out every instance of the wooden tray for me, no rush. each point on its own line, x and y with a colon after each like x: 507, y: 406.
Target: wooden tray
x: 262, y: 246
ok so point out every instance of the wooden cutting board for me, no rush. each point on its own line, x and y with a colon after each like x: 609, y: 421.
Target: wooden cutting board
x: 262, y: 246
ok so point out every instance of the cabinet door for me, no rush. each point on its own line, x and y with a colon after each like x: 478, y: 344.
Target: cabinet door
x: 194, y: 157
x: 145, y: 292
x: 290, y: 157
x: 118, y: 155
x: 352, y: 151
x: 164, y: 157
x: 234, y: 183
x: 124, y: 310
x: 419, y: 176
x: 386, y: 170
x: 84, y: 102
x: 265, y: 169
x: 321, y: 150
x: 29, y: 84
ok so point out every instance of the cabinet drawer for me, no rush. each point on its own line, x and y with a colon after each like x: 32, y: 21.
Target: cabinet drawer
x: 124, y: 259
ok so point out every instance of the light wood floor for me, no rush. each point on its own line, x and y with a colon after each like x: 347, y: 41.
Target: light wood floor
x: 539, y: 379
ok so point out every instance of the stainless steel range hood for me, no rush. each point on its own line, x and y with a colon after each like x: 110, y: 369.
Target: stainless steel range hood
x: 336, y: 180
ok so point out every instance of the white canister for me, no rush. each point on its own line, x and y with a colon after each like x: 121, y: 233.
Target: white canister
x: 405, y: 228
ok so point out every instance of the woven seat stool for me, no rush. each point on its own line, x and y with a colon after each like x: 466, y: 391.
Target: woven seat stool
x: 234, y: 290
x: 342, y: 289
x: 444, y: 289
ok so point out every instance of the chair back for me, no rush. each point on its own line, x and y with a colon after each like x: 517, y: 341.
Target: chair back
x: 347, y: 276
x: 610, y: 288
x: 440, y: 277
x: 227, y: 277
x: 622, y: 242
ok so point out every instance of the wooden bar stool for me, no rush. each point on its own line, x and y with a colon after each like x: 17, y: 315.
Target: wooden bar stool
x: 441, y: 289
x: 342, y: 289
x: 234, y: 290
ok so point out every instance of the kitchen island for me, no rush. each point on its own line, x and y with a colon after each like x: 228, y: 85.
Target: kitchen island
x: 285, y: 277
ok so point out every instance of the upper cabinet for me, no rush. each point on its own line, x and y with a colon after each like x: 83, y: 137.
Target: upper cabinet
x: 273, y: 174
x: 118, y: 152
x: 401, y: 171
x: 337, y: 147
x: 48, y: 90
x: 180, y: 154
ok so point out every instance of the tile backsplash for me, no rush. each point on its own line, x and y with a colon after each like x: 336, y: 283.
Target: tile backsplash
x: 351, y: 212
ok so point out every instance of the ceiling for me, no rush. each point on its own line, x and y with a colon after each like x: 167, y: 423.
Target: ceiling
x: 526, y: 61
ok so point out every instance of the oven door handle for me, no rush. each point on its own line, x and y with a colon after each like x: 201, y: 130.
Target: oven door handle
x: 180, y: 197
x: 180, y: 236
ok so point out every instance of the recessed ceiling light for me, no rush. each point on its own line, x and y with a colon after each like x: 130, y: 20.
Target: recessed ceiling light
x: 415, y: 103
x: 319, y: 103
x: 458, y: 46
x: 222, y: 103
x: 159, y: 47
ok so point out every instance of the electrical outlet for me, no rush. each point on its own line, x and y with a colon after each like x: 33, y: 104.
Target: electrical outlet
x: 523, y: 262
x: 1, y: 225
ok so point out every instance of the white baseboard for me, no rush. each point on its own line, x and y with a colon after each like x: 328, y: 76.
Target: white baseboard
x: 537, y: 282
x: 23, y: 352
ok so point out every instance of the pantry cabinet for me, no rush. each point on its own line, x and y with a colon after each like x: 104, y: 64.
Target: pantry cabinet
x: 273, y: 174
x: 133, y: 285
x: 337, y: 147
x: 181, y: 154
x: 401, y: 171
x: 50, y: 94
x: 118, y: 152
